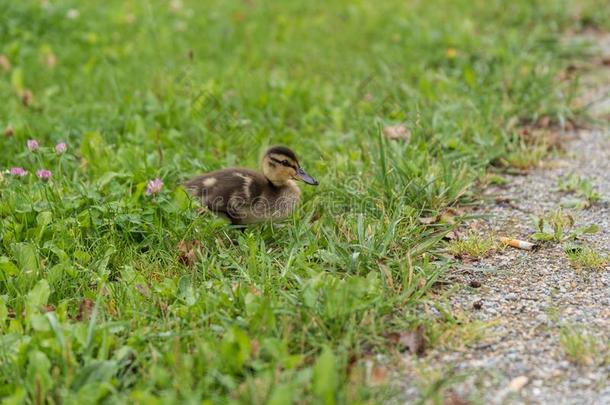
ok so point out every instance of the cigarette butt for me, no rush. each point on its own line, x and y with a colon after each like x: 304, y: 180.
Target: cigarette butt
x: 519, y: 244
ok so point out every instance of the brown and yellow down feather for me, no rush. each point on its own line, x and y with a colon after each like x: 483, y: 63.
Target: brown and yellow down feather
x: 244, y: 196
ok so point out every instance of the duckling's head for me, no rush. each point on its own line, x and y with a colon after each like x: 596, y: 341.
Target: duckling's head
x: 280, y: 165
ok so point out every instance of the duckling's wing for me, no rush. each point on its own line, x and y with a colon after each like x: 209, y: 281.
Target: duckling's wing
x: 228, y: 191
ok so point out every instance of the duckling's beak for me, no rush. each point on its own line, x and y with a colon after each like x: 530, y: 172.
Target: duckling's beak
x: 302, y: 174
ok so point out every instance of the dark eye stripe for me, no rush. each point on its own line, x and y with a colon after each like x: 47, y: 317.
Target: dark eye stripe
x: 282, y: 163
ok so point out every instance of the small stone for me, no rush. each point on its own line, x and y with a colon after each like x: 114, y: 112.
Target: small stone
x: 475, y: 284
x: 477, y: 305
x: 518, y: 383
x: 511, y: 297
x: 521, y: 367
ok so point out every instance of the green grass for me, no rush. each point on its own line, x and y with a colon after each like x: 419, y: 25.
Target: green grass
x: 587, y: 258
x: 583, y: 188
x: 94, y: 301
x: 558, y: 226
x: 581, y: 347
x: 473, y: 246
x: 526, y: 157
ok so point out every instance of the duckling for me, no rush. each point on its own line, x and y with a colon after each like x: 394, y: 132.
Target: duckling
x: 246, y: 196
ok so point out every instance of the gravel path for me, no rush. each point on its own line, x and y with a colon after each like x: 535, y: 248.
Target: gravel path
x: 529, y: 296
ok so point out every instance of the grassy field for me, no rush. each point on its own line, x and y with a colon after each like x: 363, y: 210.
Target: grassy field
x: 95, y: 301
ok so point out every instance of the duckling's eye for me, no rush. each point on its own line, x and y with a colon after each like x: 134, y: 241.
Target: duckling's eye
x: 285, y: 162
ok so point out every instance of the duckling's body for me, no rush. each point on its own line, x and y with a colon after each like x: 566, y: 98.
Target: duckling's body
x: 246, y: 196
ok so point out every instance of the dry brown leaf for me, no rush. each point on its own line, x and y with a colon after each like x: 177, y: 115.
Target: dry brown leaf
x: 466, y: 258
x: 452, y: 398
x: 5, y: 64
x: 379, y: 375
x: 544, y: 132
x: 456, y: 211
x: 503, y: 201
x: 188, y: 250
x: 451, y: 235
x: 254, y: 290
x: 27, y: 97
x: 397, y: 132
x: 448, y: 216
x: 8, y: 132
x: 413, y: 341
x: 85, y: 309
x: 355, y: 371
x: 571, y: 68
x: 428, y: 220
x: 553, y: 140
x: 316, y: 216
